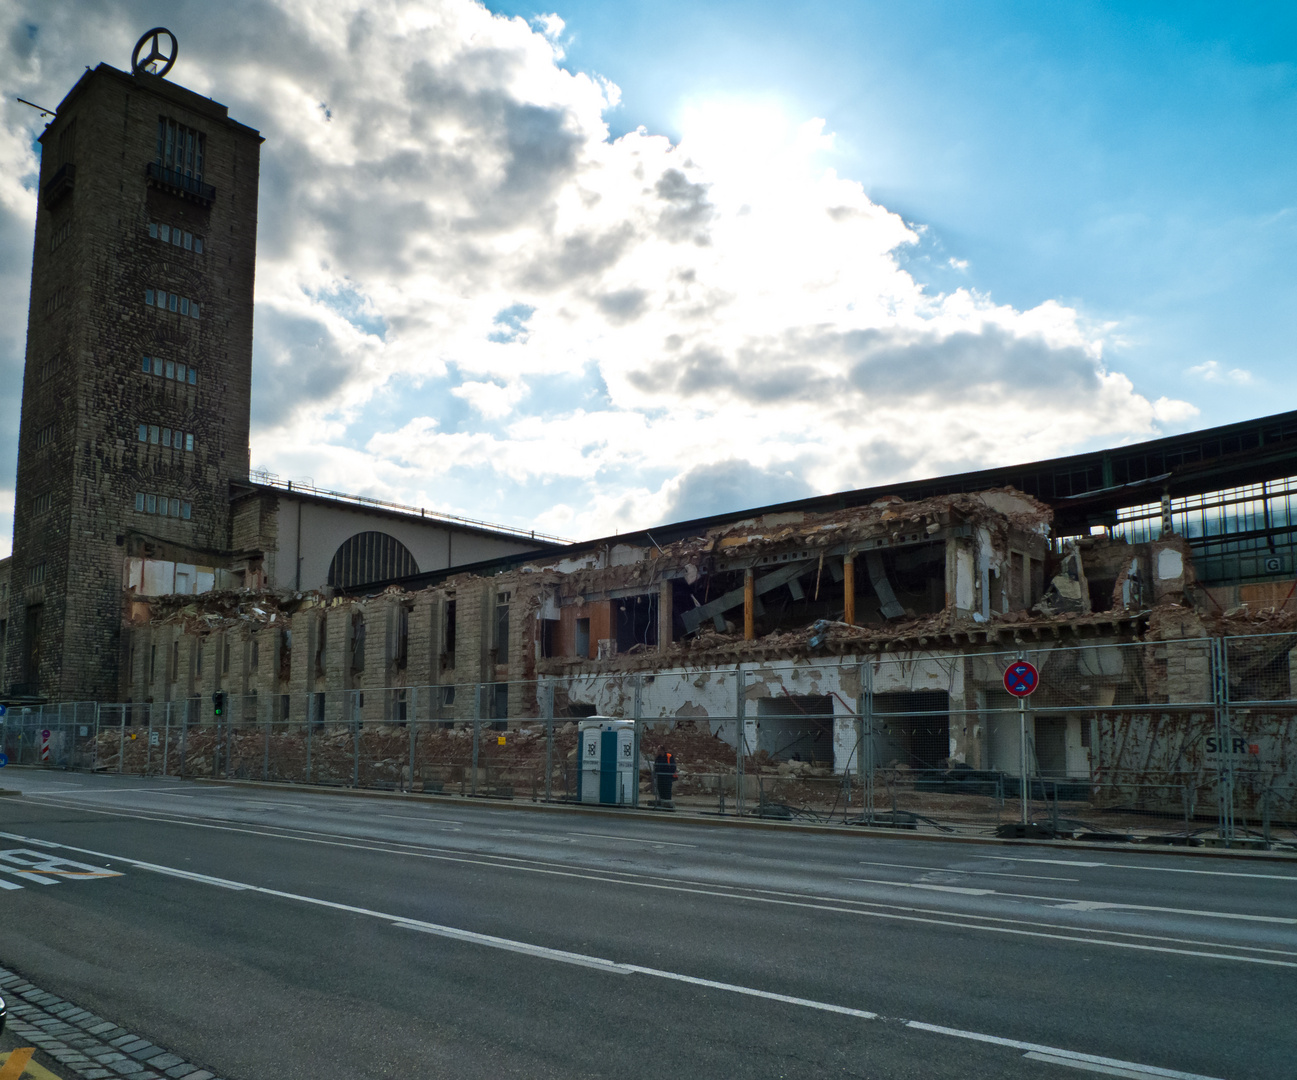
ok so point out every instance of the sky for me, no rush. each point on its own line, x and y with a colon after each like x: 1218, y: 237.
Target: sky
x: 593, y: 267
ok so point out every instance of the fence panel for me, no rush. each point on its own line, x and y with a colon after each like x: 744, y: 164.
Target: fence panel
x: 1177, y: 741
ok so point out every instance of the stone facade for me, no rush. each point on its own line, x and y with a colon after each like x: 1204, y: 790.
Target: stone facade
x: 100, y: 268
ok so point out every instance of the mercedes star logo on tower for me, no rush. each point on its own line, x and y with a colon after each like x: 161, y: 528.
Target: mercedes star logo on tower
x: 155, y: 54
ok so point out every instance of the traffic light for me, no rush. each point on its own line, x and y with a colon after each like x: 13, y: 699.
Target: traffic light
x: 218, y: 702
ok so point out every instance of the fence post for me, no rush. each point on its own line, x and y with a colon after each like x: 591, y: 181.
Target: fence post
x: 477, y: 725
x: 94, y: 749
x: 741, y: 717
x: 413, y: 722
x: 166, y: 739
x: 311, y: 699
x: 121, y: 744
x: 148, y: 749
x: 184, y: 735
x: 638, y: 715
x: 1220, y: 702
x: 355, y: 738
x: 549, y: 737
x: 229, y: 738
x: 265, y: 745
x: 865, y: 745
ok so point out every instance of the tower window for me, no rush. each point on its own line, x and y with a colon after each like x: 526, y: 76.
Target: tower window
x: 180, y: 148
x: 36, y: 574
x: 163, y: 505
x: 46, y: 435
x: 42, y: 502
x: 60, y: 233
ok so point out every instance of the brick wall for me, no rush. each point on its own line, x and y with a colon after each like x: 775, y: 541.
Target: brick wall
x: 80, y: 462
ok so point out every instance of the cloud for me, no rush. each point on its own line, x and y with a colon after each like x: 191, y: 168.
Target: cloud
x: 588, y: 333
x: 1211, y: 371
x: 724, y: 486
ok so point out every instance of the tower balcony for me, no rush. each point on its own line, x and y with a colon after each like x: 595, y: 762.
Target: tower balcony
x: 59, y: 185
x: 178, y: 183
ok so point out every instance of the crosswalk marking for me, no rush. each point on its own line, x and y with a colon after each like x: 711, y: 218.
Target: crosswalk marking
x: 44, y: 869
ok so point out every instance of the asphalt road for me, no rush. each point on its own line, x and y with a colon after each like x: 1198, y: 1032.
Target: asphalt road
x: 289, y: 934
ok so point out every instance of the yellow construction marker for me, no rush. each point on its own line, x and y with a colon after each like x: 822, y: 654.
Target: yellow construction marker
x: 18, y: 1062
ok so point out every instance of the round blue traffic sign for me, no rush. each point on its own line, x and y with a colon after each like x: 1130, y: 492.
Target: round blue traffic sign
x: 1021, y: 678
x: 3, y: 761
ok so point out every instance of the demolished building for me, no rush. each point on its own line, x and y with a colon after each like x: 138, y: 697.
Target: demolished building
x: 778, y: 630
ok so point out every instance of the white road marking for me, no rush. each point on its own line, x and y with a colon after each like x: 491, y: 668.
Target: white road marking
x: 1052, y: 1051
x: 768, y: 896
x: 975, y: 873
x: 632, y: 839
x: 599, y: 963
x: 410, y: 819
x: 960, y: 889
x: 1089, y: 1066
x: 34, y: 866
x: 94, y: 792
x: 1133, y: 866
x: 1068, y: 904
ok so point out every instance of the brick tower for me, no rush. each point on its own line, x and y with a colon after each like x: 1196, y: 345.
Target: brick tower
x: 138, y: 367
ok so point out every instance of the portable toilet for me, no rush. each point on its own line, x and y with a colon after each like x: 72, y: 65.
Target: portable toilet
x: 607, y: 774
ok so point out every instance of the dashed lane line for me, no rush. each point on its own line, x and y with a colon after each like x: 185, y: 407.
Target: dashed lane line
x: 633, y: 839
x: 1069, y: 904
x: 607, y: 966
x: 1037, y: 1052
x: 974, y: 873
x: 1134, y: 866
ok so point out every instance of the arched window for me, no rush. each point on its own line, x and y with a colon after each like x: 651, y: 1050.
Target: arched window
x: 370, y: 556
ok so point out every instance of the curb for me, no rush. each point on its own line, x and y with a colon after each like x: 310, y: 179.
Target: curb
x: 88, y: 1045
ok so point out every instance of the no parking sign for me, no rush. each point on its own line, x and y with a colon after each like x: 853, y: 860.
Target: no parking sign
x: 1021, y: 679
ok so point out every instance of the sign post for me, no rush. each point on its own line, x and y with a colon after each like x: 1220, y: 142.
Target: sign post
x: 1021, y: 681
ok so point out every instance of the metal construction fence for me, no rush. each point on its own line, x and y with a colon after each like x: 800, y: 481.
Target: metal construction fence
x: 1191, y: 741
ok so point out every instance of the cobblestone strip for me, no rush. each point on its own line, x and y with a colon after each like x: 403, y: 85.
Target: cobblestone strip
x: 85, y: 1044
